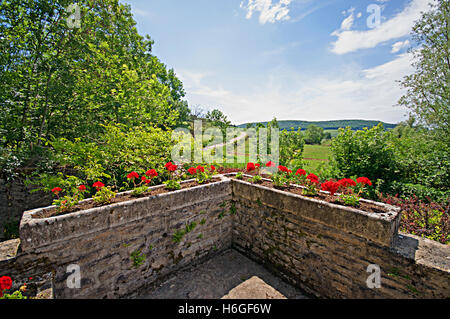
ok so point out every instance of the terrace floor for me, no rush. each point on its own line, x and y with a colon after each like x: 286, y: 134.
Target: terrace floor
x: 216, y: 277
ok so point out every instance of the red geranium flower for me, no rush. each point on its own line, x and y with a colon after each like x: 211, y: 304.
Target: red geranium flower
x: 364, y: 180
x: 56, y: 190
x: 82, y: 188
x: 172, y: 168
x: 313, y: 178
x: 270, y: 164
x: 283, y: 168
x: 147, y: 181
x: 133, y: 175
x: 152, y: 173
x: 98, y: 185
x: 300, y: 172
x: 250, y: 167
x: 144, y: 178
x: 5, y: 283
x: 346, y: 182
x: 168, y: 165
x: 330, y: 186
x: 213, y: 168
x: 200, y: 168
x: 258, y: 165
x: 192, y: 170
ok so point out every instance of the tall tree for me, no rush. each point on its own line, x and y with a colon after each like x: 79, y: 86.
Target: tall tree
x: 428, y: 93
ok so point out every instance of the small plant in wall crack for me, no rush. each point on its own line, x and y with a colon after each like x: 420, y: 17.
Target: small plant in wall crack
x: 179, y: 234
x: 138, y: 258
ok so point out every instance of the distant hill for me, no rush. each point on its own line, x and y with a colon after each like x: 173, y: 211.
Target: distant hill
x: 327, y: 125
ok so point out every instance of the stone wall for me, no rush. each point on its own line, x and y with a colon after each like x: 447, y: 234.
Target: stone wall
x: 328, y: 254
x: 102, y: 241
x: 320, y: 247
x: 15, y: 198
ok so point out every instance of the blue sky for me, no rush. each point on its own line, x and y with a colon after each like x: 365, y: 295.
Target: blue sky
x: 290, y: 59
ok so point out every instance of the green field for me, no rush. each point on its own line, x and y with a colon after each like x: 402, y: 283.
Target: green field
x: 315, y: 155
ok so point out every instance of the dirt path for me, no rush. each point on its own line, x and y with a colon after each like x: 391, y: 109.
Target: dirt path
x: 238, y: 138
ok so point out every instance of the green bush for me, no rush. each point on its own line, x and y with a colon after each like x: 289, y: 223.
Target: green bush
x: 364, y: 153
x: 118, y: 151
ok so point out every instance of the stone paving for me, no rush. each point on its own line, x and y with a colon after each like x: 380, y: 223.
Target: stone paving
x: 218, y: 276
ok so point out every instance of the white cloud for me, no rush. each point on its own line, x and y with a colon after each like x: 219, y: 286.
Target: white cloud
x: 397, y: 46
x: 268, y: 11
x: 398, y: 26
x: 353, y: 94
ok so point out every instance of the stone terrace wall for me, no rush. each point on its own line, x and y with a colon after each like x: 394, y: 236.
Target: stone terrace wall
x: 101, y: 240
x: 327, y: 255
x: 15, y: 198
x: 322, y: 248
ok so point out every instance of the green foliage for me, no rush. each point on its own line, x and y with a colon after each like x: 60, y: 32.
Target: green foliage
x: 256, y: 179
x: 172, y: 184
x: 280, y: 179
x: 428, y: 92
x: 138, y: 258
x: 178, y: 236
x: 104, y: 195
x: 61, y: 83
x: 139, y: 190
x: 364, y: 153
x: 314, y: 134
x: 349, y: 199
x: 291, y: 147
x: 239, y: 175
x: 118, y: 151
x: 15, y: 295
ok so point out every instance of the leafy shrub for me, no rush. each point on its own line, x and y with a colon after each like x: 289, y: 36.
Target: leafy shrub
x: 116, y: 152
x: 430, y: 220
x: 364, y: 153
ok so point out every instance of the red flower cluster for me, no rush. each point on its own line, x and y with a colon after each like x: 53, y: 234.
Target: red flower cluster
x: 98, y: 185
x: 283, y: 169
x: 5, y: 284
x: 56, y: 190
x: 300, y: 172
x: 170, y: 167
x: 364, y: 180
x: 313, y: 178
x: 250, y: 167
x: 270, y: 164
x: 152, y: 173
x: 200, y: 168
x: 192, y: 170
x: 133, y: 175
x: 346, y: 182
x: 331, y: 187
x: 213, y: 168
x: 82, y: 188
